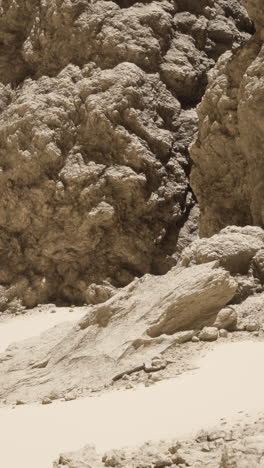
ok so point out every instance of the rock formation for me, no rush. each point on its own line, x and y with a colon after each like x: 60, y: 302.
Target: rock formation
x: 239, y: 447
x: 97, y: 110
x: 227, y: 175
x: 215, y: 286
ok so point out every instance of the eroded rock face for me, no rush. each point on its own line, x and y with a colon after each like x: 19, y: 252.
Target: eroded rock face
x: 96, y: 115
x: 197, y: 298
x: 240, y: 446
x: 141, y: 320
x: 228, y: 169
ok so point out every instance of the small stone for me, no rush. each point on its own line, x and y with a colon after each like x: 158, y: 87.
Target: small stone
x: 155, y: 365
x: 252, y: 326
x: 46, y: 401
x: 215, y: 435
x: 55, y: 395
x: 129, y: 386
x: 208, y: 334
x: 70, y: 396
x: 174, y: 448
x: 156, y: 362
x: 223, y: 333
x: 53, y: 311
x: 156, y: 377
x: 256, y: 333
x: 125, y: 377
x: 195, y: 339
x: 20, y: 402
x: 111, y: 459
x: 205, y: 448
x: 162, y: 461
x: 70, y: 310
x: 178, y: 459
x: 202, y: 436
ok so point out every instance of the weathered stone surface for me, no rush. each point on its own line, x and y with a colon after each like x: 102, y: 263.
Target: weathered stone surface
x: 227, y: 175
x: 126, y: 331
x: 239, y: 447
x: 234, y: 248
x: 208, y: 334
x: 226, y: 318
x: 97, y: 110
x: 85, y: 458
x: 249, y: 312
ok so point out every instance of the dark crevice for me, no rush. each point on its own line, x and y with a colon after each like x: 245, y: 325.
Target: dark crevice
x: 130, y: 3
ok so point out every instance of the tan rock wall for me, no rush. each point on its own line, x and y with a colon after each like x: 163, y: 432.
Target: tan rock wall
x: 97, y: 112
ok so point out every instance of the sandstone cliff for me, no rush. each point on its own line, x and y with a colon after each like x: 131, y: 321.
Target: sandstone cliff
x: 97, y: 112
x: 227, y: 175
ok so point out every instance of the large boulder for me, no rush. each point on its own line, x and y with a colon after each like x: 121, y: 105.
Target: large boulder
x: 97, y: 110
x: 141, y: 320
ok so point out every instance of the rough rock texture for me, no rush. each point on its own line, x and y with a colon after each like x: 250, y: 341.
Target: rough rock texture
x: 144, y: 319
x: 96, y: 115
x: 227, y: 175
x: 241, y: 446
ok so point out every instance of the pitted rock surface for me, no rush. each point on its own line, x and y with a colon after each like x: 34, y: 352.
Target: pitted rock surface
x: 97, y: 110
x: 227, y: 174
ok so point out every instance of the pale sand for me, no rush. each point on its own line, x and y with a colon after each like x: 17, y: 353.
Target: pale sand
x: 229, y: 379
x: 33, y: 323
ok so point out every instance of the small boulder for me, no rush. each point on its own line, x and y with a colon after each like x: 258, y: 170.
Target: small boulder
x: 208, y: 334
x: 226, y: 318
x: 252, y: 326
x: 162, y: 461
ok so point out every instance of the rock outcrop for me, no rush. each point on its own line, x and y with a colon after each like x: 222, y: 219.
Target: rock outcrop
x: 206, y: 292
x: 122, y: 334
x: 227, y: 175
x: 240, y: 447
x: 97, y: 110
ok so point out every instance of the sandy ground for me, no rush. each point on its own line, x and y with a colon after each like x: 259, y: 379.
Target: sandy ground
x: 34, y: 322
x: 227, y: 381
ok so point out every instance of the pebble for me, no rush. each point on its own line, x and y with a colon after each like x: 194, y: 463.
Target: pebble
x: 125, y: 377
x: 223, y: 333
x: 162, y: 461
x: 215, y: 435
x: 195, y: 339
x: 174, y: 448
x: 156, y: 377
x: 205, y: 448
x: 70, y: 397
x: 252, y: 326
x: 46, y: 401
x: 208, y: 334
